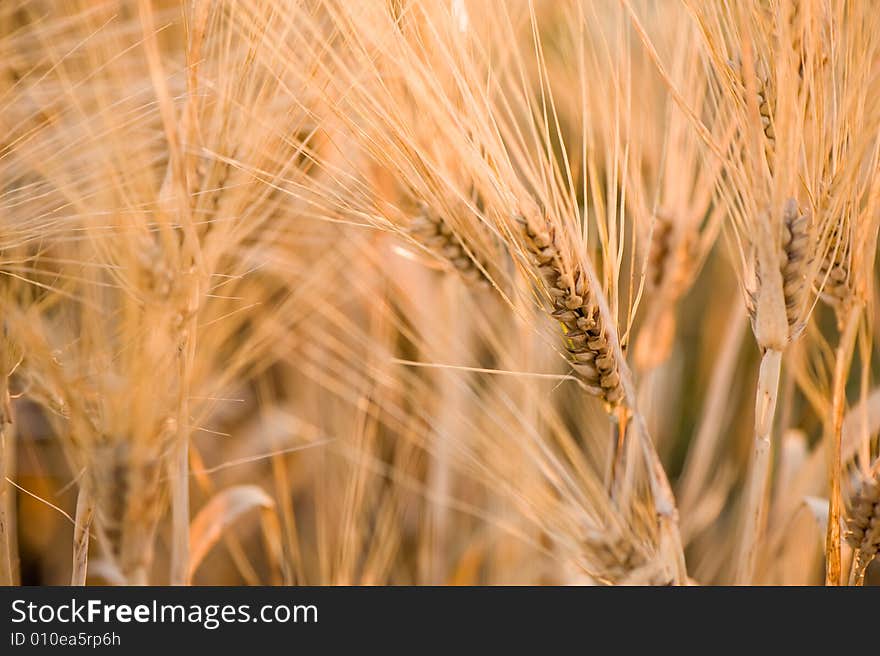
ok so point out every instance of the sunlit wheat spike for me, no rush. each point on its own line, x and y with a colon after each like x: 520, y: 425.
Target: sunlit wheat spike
x: 764, y: 100
x: 835, y: 266
x: 671, y: 258
x: 590, y: 353
x: 864, y: 522
x: 795, y: 251
x: 661, y: 247
x: 619, y: 561
x: 429, y: 227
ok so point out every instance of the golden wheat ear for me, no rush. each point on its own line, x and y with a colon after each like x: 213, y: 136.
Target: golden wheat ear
x: 574, y: 307
x: 863, y: 526
x: 776, y: 304
x: 794, y: 262
x: 670, y: 266
x: 430, y: 228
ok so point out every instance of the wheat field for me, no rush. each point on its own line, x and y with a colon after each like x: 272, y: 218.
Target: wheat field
x: 439, y: 292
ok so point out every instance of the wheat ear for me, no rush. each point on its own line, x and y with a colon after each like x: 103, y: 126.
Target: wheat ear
x: 764, y: 100
x: 669, y: 271
x: 776, y: 310
x: 595, y: 354
x: 429, y: 228
x: 864, y: 528
x: 574, y: 306
x: 619, y: 561
x: 835, y: 268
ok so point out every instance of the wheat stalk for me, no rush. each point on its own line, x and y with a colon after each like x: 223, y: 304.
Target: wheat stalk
x: 8, y: 565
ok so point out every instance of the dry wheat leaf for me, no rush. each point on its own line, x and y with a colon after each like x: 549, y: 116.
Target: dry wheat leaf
x: 221, y: 511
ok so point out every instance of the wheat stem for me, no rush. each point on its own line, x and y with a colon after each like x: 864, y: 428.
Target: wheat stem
x: 85, y: 510
x: 180, y: 511
x: 8, y: 541
x: 7, y: 514
x: 756, y: 487
x: 180, y: 514
x: 843, y: 358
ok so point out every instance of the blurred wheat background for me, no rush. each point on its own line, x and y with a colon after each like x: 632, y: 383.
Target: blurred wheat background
x: 439, y: 292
